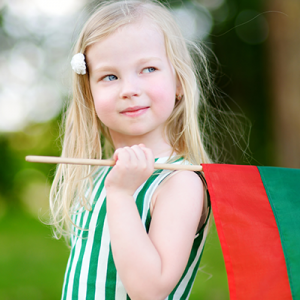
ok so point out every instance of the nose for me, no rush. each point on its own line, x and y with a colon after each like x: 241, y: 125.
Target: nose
x: 130, y: 88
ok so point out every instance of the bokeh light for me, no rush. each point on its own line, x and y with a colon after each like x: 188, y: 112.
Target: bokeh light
x: 36, y: 39
x: 194, y: 20
x: 34, y: 188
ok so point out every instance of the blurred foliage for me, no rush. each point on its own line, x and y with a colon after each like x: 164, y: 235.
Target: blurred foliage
x: 16, y: 173
x: 33, y: 263
x: 243, y: 75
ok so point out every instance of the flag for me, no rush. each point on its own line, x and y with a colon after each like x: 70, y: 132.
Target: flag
x: 257, y: 215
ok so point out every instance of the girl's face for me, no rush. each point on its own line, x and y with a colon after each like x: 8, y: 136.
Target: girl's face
x: 132, y: 82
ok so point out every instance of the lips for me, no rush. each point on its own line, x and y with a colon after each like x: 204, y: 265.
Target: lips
x: 134, y: 109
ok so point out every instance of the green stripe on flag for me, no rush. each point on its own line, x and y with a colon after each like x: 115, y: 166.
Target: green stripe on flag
x: 283, y: 189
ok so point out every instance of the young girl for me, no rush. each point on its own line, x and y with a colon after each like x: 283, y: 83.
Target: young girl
x: 133, y: 232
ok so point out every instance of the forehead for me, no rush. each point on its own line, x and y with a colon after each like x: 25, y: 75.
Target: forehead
x: 138, y: 39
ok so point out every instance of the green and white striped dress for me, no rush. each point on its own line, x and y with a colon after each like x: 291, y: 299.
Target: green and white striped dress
x: 91, y: 272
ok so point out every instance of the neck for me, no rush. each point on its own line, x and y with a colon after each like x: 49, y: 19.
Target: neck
x: 159, y: 146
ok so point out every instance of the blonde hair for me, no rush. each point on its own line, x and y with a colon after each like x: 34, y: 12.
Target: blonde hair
x: 84, y: 131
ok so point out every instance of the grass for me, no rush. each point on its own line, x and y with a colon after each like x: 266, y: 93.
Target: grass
x: 32, y: 263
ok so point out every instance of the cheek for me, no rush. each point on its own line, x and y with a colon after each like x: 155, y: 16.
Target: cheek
x: 163, y: 90
x: 103, y: 105
x: 163, y: 97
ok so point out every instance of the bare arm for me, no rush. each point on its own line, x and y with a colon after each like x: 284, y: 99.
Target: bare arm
x: 150, y: 265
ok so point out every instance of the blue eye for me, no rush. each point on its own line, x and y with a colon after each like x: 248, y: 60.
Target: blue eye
x: 110, y: 78
x: 149, y: 70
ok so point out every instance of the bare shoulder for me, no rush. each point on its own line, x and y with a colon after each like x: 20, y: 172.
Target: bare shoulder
x: 184, y: 188
x: 186, y: 178
x: 186, y: 181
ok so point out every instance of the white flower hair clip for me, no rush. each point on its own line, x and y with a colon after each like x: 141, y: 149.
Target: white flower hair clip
x: 78, y: 63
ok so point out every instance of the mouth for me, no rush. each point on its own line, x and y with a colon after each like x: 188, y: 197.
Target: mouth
x: 134, y: 108
x: 134, y: 111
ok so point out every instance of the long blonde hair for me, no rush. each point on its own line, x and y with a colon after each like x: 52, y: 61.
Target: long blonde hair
x: 84, y: 131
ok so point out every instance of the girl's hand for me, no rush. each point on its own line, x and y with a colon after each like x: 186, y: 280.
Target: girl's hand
x: 133, y: 166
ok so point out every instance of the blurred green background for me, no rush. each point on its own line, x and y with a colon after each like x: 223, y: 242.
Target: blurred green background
x: 257, y: 44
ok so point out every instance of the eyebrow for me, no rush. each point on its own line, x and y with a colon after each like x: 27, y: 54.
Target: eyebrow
x: 104, y: 67
x: 146, y: 59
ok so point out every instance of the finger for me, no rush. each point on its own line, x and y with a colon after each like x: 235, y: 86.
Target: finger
x: 149, y: 155
x: 131, y: 157
x: 116, y: 154
x: 134, y: 156
x: 145, y: 156
x: 122, y: 156
x: 139, y: 153
x: 138, y: 159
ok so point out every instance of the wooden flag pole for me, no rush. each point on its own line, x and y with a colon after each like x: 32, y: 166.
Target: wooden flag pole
x: 103, y: 162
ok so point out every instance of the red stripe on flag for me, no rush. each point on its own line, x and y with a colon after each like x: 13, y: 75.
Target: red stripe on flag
x: 248, y: 233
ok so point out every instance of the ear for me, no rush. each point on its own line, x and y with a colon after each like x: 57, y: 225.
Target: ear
x: 179, y: 89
